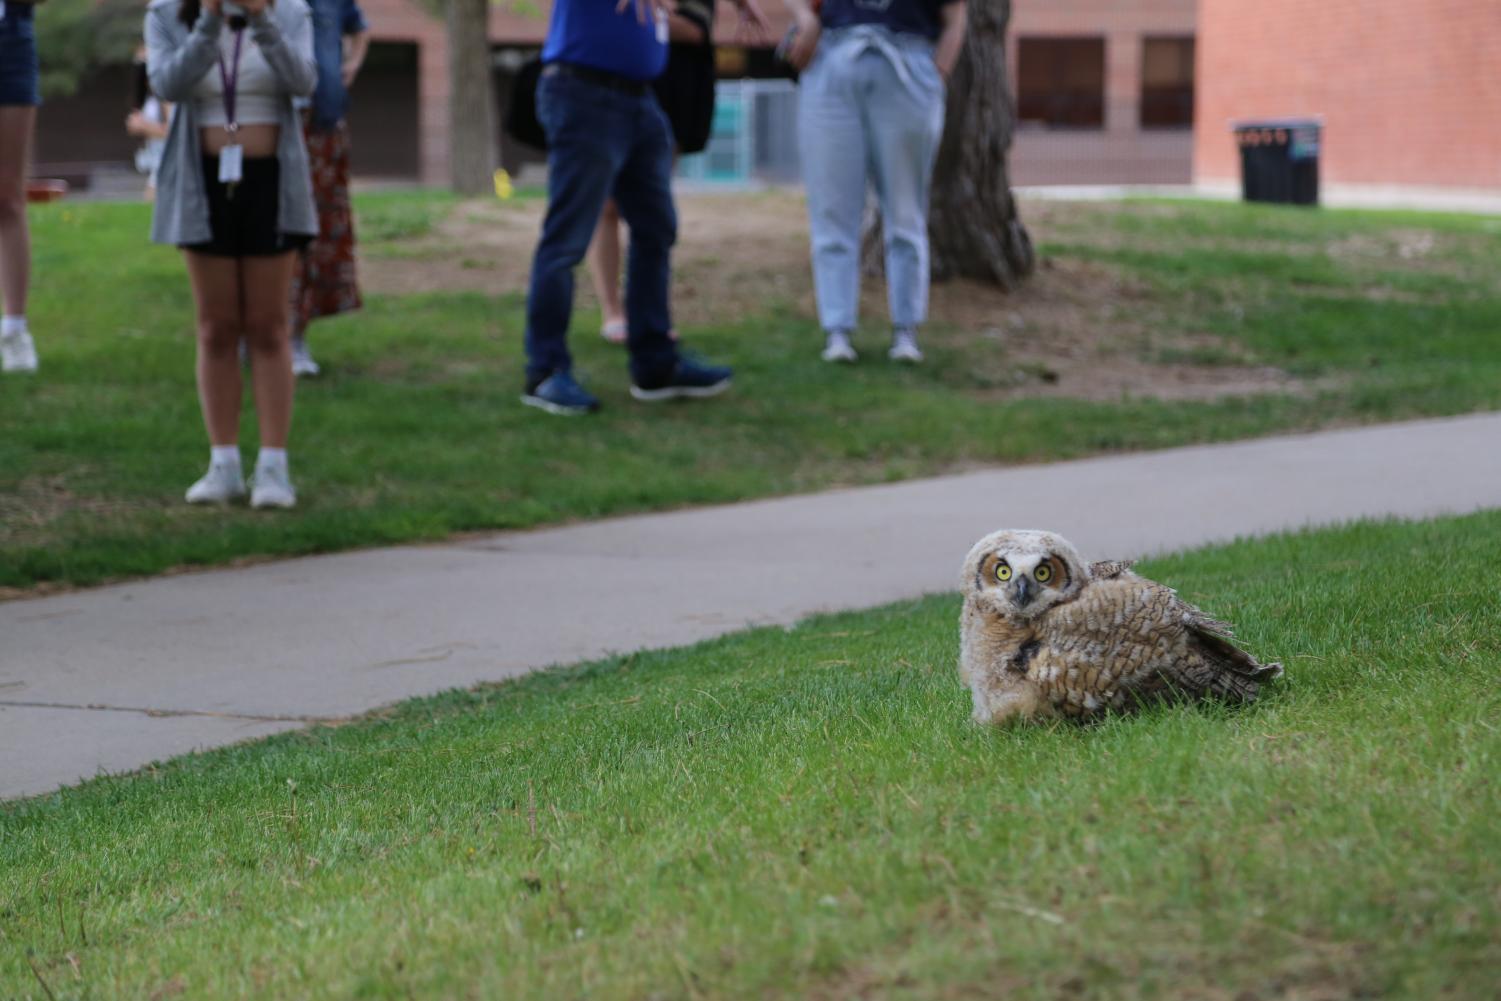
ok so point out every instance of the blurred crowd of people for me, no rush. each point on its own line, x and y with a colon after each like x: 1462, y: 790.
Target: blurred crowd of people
x: 241, y: 112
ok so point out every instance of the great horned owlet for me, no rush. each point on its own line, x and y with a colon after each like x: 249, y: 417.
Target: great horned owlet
x: 1045, y: 634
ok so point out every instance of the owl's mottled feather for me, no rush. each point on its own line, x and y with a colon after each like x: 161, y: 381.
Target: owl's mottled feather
x: 1076, y: 640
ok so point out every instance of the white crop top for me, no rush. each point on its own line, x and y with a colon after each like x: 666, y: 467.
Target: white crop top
x: 258, y: 94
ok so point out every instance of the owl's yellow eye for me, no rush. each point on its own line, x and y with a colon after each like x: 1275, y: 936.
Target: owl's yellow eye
x: 1003, y: 571
x: 1043, y: 573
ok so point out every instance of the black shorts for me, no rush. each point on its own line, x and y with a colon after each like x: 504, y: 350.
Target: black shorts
x: 242, y: 216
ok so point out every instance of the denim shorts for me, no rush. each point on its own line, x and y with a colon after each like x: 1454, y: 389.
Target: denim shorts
x: 20, y: 77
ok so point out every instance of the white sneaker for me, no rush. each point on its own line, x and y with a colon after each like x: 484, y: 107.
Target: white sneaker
x: 220, y: 485
x: 17, y: 352
x: 302, y: 360
x: 904, y: 347
x: 273, y: 488
x: 838, y: 348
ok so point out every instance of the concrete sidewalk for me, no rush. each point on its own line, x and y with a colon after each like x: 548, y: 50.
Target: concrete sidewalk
x: 115, y: 678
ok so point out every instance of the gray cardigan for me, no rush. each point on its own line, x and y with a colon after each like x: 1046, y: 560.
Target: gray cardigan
x: 177, y: 57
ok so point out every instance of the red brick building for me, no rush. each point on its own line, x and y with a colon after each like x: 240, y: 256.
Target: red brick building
x: 398, y: 116
x: 1104, y: 90
x: 410, y: 51
x: 1409, y: 92
x: 1105, y: 87
x: 403, y: 103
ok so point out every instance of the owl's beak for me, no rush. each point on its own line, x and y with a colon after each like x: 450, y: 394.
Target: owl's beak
x: 1023, y: 591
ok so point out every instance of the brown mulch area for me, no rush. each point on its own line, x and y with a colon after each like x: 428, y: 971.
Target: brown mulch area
x: 1075, y: 328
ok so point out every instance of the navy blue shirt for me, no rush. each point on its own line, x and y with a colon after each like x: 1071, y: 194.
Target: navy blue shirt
x: 914, y: 17
x: 590, y: 33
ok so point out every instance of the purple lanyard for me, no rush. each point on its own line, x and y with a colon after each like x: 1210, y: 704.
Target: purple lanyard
x: 231, y: 82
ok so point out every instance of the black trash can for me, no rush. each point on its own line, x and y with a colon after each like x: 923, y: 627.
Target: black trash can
x: 1279, y: 160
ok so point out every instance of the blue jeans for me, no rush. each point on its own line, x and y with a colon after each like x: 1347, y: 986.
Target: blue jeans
x: 870, y: 110
x: 603, y: 143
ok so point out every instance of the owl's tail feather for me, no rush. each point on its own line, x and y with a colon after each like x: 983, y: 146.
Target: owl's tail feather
x: 1237, y: 676
x: 1236, y: 685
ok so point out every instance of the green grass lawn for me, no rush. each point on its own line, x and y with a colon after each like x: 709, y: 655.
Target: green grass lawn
x: 810, y: 813
x: 416, y: 433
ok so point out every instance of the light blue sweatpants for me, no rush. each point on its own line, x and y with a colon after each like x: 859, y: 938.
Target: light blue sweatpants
x: 870, y: 109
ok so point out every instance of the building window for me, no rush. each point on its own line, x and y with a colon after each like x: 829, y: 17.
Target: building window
x: 1061, y: 82
x: 1167, y: 83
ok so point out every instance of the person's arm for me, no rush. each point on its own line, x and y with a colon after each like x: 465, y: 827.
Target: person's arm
x: 142, y: 126
x: 356, y: 47
x: 683, y: 30
x: 356, y: 31
x: 809, y: 29
x: 951, y: 37
x: 175, y: 70
x: 753, y: 23
x: 645, y: 10
x: 289, y: 55
x: 690, y: 22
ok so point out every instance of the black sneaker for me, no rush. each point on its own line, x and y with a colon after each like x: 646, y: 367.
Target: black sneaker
x: 560, y: 394
x: 687, y: 380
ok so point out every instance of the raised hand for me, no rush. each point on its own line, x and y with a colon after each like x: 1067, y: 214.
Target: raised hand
x: 805, y: 42
x: 646, y: 10
x: 754, y: 27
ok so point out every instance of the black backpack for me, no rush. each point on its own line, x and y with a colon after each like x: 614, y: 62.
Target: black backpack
x: 521, y: 122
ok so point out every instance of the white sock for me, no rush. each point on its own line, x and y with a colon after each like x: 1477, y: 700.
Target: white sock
x: 271, y: 458
x: 10, y: 326
x: 224, y: 455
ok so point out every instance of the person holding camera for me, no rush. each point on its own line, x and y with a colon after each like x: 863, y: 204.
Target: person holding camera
x: 871, y: 107
x: 234, y: 193
x: 20, y: 93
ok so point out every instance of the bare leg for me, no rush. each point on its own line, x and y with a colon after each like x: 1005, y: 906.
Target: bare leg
x: 267, y: 283
x: 217, y: 293
x: 604, y: 268
x: 17, y: 124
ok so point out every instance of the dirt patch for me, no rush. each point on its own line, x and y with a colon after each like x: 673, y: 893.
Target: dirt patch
x: 1396, y: 246
x: 29, y: 512
x: 1075, y: 329
x: 1085, y: 330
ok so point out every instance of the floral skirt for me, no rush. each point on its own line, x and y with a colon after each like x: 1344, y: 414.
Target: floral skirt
x: 324, y: 283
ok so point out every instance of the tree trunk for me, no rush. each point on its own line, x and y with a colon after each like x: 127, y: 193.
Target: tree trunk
x: 471, y: 101
x: 973, y: 227
x: 973, y: 224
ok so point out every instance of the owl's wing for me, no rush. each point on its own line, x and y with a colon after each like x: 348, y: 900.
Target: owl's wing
x: 1110, y: 569
x: 1144, y: 639
x: 1229, y: 672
